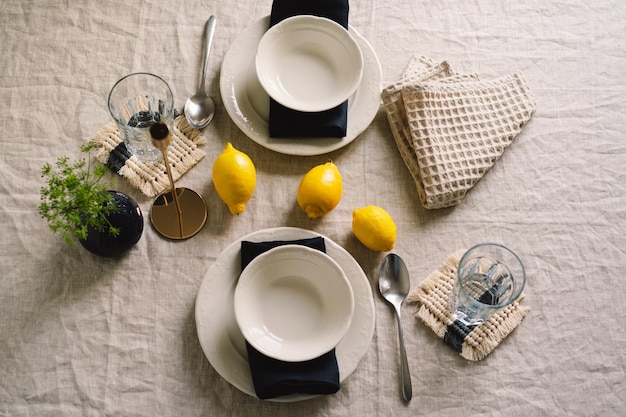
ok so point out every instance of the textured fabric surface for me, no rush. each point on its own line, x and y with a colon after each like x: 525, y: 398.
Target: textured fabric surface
x: 85, y: 336
x: 151, y: 179
x: 451, y: 128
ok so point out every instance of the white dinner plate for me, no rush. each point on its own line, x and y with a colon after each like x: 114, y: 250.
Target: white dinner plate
x: 247, y: 103
x: 293, y: 303
x: 220, y: 337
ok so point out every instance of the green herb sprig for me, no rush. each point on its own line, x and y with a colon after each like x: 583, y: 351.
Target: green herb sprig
x: 74, y: 198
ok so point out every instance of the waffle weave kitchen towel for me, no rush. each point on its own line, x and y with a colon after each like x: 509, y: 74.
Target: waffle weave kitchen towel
x: 451, y: 128
x: 471, y: 342
x: 183, y: 153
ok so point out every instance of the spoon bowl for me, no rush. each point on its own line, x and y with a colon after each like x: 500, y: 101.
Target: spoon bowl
x: 394, y: 285
x: 200, y: 108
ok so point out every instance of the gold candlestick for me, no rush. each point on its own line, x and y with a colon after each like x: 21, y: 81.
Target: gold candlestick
x: 188, y: 214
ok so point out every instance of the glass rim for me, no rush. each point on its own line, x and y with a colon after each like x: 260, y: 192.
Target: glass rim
x: 513, y: 296
x: 169, y: 93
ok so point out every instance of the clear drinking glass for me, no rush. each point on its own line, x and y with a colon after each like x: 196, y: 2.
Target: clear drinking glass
x: 490, y: 277
x: 136, y: 102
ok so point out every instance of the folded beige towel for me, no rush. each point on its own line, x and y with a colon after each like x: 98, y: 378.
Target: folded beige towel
x: 450, y: 128
x: 471, y: 342
x: 151, y: 179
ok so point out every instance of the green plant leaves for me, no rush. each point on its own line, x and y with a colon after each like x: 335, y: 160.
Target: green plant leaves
x: 74, y: 198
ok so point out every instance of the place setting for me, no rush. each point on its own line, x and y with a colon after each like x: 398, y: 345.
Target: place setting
x: 285, y: 314
x: 296, y: 83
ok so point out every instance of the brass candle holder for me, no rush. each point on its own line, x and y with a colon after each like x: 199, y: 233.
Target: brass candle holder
x: 188, y: 213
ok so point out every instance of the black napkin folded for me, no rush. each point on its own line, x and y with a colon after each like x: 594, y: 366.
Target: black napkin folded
x: 285, y: 122
x: 274, y: 378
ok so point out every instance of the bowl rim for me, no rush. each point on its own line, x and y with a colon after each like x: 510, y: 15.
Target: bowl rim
x: 255, y: 270
x: 307, y: 21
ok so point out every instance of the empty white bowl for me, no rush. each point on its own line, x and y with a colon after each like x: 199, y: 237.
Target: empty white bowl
x: 293, y: 303
x: 309, y: 63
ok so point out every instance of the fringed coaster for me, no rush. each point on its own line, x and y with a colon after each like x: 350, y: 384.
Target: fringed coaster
x: 471, y: 342
x: 451, y: 128
x: 151, y: 179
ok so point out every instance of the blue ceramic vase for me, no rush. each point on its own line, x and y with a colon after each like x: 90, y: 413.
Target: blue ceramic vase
x: 128, y: 218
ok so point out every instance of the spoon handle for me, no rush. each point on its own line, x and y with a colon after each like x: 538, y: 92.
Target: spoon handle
x: 209, y: 30
x: 405, y: 376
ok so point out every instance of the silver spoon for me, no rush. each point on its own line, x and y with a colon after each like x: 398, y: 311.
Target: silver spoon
x: 394, y: 285
x: 200, y: 108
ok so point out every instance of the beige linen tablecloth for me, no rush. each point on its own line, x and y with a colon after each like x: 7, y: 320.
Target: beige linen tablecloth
x: 85, y: 336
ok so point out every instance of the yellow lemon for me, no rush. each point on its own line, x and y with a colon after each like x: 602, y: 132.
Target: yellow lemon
x: 374, y: 228
x: 234, y: 178
x: 320, y: 190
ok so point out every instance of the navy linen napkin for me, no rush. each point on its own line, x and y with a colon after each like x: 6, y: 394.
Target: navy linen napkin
x: 274, y: 378
x: 285, y: 122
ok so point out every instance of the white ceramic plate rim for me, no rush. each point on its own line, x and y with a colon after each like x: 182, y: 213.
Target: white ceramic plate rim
x: 286, y: 37
x: 247, y: 103
x: 220, y: 337
x: 314, y: 266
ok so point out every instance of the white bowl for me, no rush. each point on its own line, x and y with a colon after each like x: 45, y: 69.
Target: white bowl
x: 309, y: 63
x: 293, y: 303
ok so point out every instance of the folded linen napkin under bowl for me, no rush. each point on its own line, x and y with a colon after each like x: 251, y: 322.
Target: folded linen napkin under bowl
x: 151, y: 179
x: 274, y: 378
x: 285, y: 122
x: 451, y: 128
x: 473, y: 342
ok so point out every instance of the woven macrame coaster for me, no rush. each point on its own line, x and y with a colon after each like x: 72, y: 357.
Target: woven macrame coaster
x: 451, y: 128
x: 151, y: 179
x: 471, y: 342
